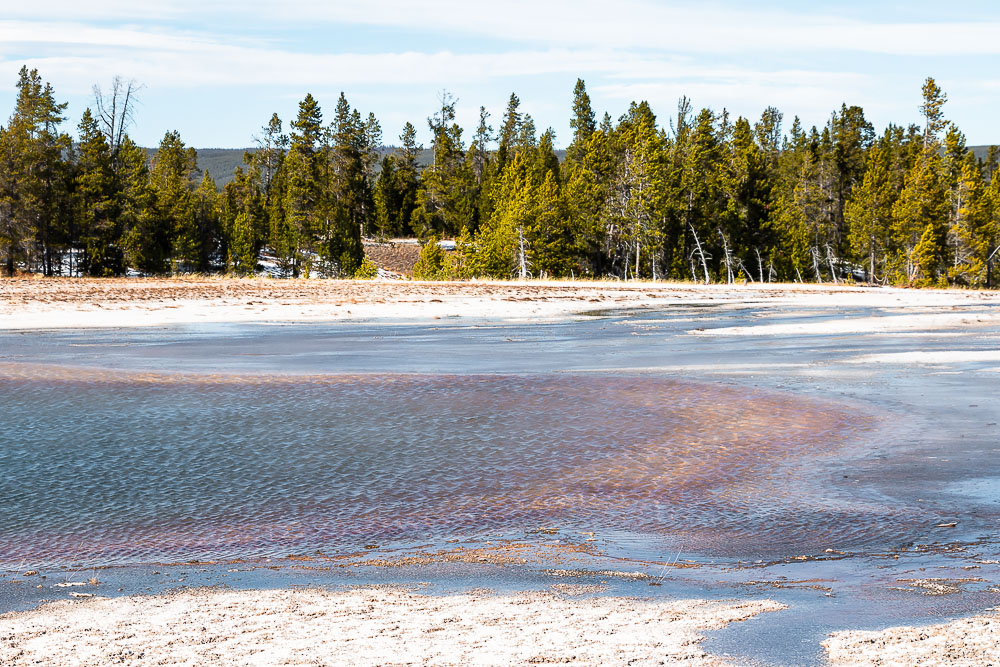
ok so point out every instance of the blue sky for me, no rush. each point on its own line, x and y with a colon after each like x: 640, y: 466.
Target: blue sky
x: 215, y: 71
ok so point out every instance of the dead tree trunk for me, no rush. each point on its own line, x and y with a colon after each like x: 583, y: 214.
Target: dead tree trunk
x: 701, y: 254
x: 522, y: 260
x: 832, y: 261
x: 727, y: 258
x: 815, y: 257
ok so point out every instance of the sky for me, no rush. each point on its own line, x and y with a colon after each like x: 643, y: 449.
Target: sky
x: 215, y: 71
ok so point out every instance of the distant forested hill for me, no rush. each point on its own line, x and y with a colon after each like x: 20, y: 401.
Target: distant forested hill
x: 980, y: 151
x: 221, y: 162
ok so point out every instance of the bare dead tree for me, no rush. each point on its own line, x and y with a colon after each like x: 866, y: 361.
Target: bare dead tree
x: 728, y: 258
x: 989, y: 267
x: 760, y: 265
x: 814, y: 251
x: 701, y: 254
x: 832, y: 261
x: 115, y: 110
x: 743, y: 267
x: 522, y: 253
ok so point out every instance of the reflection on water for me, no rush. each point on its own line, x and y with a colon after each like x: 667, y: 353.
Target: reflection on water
x: 116, y: 468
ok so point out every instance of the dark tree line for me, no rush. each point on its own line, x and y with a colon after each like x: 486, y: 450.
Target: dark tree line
x: 707, y: 197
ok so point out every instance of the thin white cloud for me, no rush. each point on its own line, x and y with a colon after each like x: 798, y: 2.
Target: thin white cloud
x: 627, y: 24
x: 81, y: 53
x: 667, y: 26
x: 730, y: 55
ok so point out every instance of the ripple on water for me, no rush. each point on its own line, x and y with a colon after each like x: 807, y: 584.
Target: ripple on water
x: 121, y: 468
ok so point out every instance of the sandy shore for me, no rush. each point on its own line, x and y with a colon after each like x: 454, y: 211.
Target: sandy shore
x: 39, y: 303
x: 967, y: 641
x: 367, y: 626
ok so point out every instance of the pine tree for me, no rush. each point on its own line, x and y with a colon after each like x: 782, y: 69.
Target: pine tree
x: 747, y: 187
x: 920, y: 222
x: 445, y: 201
x: 502, y: 248
x: 583, y: 122
x: 479, y: 156
x: 97, y: 222
x: 934, y: 122
x: 700, y: 195
x: 552, y: 235
x: 852, y: 135
x: 34, y: 192
x: 634, y: 194
x: 433, y: 263
x: 146, y: 241
x: 348, y: 207
x: 869, y: 213
x: 244, y: 195
x: 242, y: 255
x: 394, y: 196
x: 300, y: 224
x: 972, y: 236
x: 208, y: 247
x: 585, y: 194
x: 270, y: 153
x: 173, y: 170
x: 509, y: 132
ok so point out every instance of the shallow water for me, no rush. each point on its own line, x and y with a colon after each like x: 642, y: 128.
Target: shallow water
x: 141, y: 446
x: 103, y: 468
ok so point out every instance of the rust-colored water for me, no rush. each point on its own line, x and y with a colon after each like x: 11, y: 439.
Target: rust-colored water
x: 105, y: 468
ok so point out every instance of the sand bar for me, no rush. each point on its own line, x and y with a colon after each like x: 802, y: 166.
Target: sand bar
x: 367, y: 626
x: 967, y: 641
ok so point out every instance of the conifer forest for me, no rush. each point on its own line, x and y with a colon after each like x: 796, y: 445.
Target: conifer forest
x: 702, y: 196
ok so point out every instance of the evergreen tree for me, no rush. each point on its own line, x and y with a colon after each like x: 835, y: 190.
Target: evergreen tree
x: 242, y: 196
x: 509, y: 131
x: 747, y: 187
x: 35, y: 181
x: 869, y: 213
x: 502, y: 246
x: 973, y: 233
x: 934, y: 122
x: 348, y: 207
x: 206, y: 235
x: 97, y: 225
x: 583, y: 122
x: 300, y: 224
x: 146, y: 240
x: 445, y: 202
x: 433, y: 263
x: 634, y: 193
x: 242, y: 255
x: 172, y: 174
x: 920, y: 222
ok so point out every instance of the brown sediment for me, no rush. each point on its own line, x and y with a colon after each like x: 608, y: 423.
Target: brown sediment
x: 799, y: 584
x: 936, y: 585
